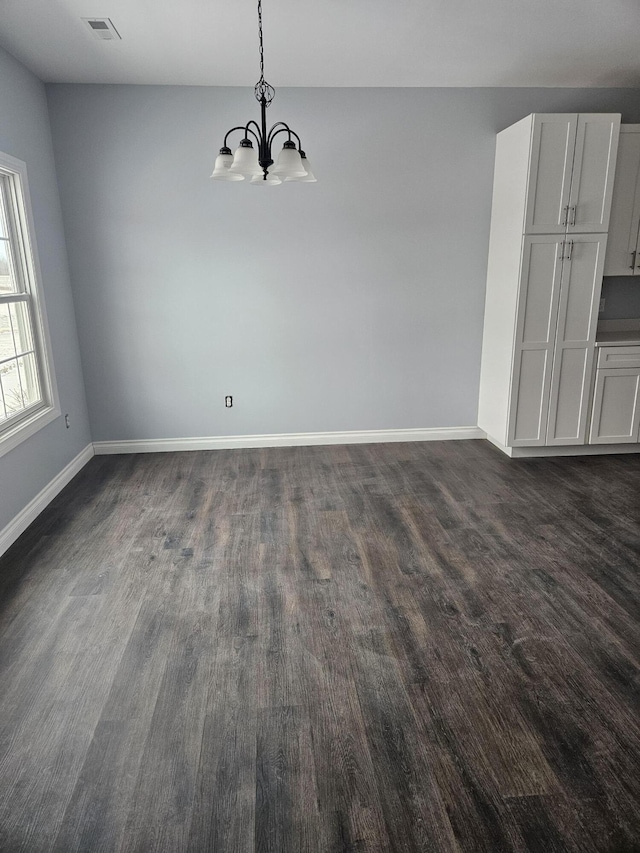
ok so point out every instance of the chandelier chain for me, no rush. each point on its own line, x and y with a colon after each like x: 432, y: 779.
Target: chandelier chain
x: 261, y: 43
x: 262, y: 89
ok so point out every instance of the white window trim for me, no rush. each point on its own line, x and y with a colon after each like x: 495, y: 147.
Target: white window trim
x: 49, y: 410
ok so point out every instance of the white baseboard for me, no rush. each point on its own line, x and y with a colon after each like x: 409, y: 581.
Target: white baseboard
x: 292, y: 439
x: 33, y: 509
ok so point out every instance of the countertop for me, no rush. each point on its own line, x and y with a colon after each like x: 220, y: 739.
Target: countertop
x: 626, y: 338
x: 618, y: 332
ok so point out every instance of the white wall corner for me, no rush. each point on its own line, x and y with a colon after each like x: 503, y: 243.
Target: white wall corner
x: 33, y: 509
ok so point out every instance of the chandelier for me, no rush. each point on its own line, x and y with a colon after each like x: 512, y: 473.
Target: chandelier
x: 255, y: 163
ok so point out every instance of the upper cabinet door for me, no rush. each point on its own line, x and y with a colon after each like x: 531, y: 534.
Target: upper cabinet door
x: 622, y: 246
x: 552, y: 147
x: 594, y: 166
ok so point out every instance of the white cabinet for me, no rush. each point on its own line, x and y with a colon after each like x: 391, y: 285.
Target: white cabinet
x: 553, y: 185
x: 553, y: 140
x: 616, y: 400
x: 616, y: 406
x: 572, y: 171
x: 575, y: 338
x: 535, y: 338
x: 555, y: 339
x: 623, y: 250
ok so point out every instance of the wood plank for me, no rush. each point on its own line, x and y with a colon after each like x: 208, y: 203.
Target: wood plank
x: 223, y: 815
x: 287, y: 818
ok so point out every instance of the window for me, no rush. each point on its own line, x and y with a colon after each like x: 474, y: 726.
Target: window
x: 27, y: 389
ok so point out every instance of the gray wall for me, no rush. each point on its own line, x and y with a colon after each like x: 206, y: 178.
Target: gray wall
x: 353, y: 303
x: 621, y: 297
x: 25, y: 133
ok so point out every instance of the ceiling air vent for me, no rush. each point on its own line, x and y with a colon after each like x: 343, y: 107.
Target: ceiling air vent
x: 102, y: 28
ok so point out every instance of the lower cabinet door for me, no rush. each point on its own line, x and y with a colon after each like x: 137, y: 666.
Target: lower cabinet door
x: 575, y: 339
x: 616, y: 406
x: 540, y: 277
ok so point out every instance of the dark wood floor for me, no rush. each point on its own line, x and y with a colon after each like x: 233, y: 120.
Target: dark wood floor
x: 409, y: 647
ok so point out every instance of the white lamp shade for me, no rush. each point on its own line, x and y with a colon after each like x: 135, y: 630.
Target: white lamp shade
x: 271, y: 180
x: 309, y: 178
x: 245, y: 162
x: 221, y: 169
x: 289, y: 164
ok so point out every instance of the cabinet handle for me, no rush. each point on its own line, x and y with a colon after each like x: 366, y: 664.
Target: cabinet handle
x: 573, y: 214
x: 570, y: 250
x: 633, y: 260
x: 561, y: 255
x: 565, y: 214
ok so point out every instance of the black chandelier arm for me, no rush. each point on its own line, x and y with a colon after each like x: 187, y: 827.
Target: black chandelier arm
x: 229, y: 132
x: 257, y: 135
x: 293, y: 133
x: 286, y: 129
x: 248, y: 130
x: 283, y: 126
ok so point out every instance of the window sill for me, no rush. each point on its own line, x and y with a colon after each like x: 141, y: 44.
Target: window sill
x: 23, y: 430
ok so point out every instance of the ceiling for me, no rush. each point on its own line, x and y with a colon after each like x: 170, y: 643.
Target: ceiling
x: 331, y: 42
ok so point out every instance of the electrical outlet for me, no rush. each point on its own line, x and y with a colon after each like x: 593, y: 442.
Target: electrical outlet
x: 67, y: 422
x: 601, y: 304
x: 228, y: 401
